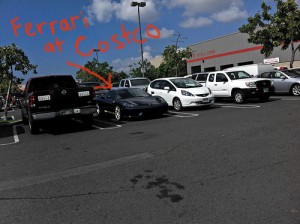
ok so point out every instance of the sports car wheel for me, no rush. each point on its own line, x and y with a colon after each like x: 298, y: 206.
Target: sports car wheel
x: 118, y: 113
x: 295, y: 89
x: 177, y: 104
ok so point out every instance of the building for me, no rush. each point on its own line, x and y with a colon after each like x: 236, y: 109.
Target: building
x: 233, y: 50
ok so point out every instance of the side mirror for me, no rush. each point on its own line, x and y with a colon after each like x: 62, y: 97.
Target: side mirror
x: 167, y: 88
x: 225, y: 80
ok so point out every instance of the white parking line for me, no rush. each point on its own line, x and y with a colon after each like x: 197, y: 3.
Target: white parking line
x: 39, y: 179
x: 291, y: 99
x: 238, y: 106
x: 16, y: 137
x: 181, y: 114
x: 97, y: 127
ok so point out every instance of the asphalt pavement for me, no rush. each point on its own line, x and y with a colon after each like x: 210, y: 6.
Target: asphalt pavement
x: 228, y: 164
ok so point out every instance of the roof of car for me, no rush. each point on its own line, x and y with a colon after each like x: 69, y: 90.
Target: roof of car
x: 132, y: 78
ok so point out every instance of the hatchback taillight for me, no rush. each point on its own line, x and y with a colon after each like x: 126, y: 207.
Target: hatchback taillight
x: 31, y: 101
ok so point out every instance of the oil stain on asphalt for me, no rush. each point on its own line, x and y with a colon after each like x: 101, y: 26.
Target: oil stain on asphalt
x: 167, y: 189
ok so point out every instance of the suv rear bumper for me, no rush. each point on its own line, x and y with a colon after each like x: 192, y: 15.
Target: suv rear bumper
x: 71, y: 112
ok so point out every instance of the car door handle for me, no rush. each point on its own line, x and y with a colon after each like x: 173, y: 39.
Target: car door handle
x: 216, y: 84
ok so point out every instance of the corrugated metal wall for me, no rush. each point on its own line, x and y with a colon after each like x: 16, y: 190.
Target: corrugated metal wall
x: 232, y: 49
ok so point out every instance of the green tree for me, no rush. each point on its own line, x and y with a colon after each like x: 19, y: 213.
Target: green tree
x: 13, y: 59
x: 150, y: 70
x: 117, y: 76
x: 174, y: 61
x: 101, y: 69
x: 282, y: 28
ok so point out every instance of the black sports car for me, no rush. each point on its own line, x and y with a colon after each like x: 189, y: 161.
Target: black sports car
x: 130, y: 102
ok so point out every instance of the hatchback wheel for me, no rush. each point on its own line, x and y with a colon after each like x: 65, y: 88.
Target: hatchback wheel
x: 296, y: 89
x: 177, y: 104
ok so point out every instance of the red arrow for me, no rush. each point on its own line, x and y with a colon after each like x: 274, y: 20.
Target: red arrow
x: 108, y: 82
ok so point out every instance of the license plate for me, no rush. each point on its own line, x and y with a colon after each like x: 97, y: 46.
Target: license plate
x: 44, y: 98
x: 83, y: 93
x: 205, y: 100
x: 266, y: 90
x: 66, y: 112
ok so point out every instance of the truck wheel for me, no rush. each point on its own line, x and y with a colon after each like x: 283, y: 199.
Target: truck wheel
x: 24, y: 119
x: 239, y: 96
x: 295, y: 90
x: 118, y: 113
x: 177, y: 104
x: 33, y: 126
x: 88, y: 119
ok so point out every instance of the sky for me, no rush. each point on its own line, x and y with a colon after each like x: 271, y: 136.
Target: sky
x: 55, y: 32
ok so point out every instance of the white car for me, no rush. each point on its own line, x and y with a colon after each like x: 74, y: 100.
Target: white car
x: 181, y: 92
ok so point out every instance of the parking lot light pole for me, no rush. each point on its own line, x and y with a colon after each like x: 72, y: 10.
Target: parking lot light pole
x: 96, y: 50
x: 140, y: 4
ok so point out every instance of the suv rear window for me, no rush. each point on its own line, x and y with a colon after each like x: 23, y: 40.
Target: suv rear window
x: 52, y: 82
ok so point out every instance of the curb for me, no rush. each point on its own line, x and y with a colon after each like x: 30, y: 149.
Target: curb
x: 6, y: 124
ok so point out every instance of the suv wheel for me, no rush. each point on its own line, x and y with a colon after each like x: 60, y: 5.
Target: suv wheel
x: 33, y: 126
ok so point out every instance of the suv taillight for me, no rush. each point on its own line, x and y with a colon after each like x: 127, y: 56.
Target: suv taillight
x: 31, y: 101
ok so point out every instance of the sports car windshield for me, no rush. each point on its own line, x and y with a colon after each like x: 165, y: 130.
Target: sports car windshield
x: 131, y: 93
x: 238, y: 75
x: 185, y: 83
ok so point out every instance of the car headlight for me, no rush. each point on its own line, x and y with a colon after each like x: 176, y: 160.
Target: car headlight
x: 250, y: 84
x: 186, y: 93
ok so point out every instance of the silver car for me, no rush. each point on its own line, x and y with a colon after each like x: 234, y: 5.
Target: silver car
x: 285, y: 81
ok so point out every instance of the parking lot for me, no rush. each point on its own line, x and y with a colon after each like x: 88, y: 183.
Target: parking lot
x: 232, y: 163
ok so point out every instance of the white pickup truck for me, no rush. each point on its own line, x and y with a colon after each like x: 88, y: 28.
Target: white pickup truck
x: 239, y: 85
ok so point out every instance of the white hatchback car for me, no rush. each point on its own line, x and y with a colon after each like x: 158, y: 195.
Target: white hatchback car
x: 181, y: 92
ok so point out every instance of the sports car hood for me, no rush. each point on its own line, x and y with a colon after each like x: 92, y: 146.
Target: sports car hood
x: 143, y: 100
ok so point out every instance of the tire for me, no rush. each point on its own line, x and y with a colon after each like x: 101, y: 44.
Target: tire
x: 88, y: 119
x: 239, y: 97
x: 100, y: 112
x: 295, y: 90
x: 177, y: 104
x: 24, y: 119
x: 264, y: 98
x: 33, y: 126
x: 118, y: 113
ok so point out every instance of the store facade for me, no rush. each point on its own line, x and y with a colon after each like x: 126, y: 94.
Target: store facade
x: 234, y: 50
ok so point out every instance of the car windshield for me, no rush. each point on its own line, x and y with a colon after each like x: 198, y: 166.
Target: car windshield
x: 185, y: 83
x: 292, y: 73
x: 131, y: 93
x: 238, y: 75
x: 140, y: 82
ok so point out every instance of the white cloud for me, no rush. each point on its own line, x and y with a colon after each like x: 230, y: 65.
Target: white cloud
x: 195, y: 22
x: 147, y: 48
x: 165, y: 33
x: 230, y: 14
x: 101, y: 10
x: 199, y: 13
x: 104, y: 10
